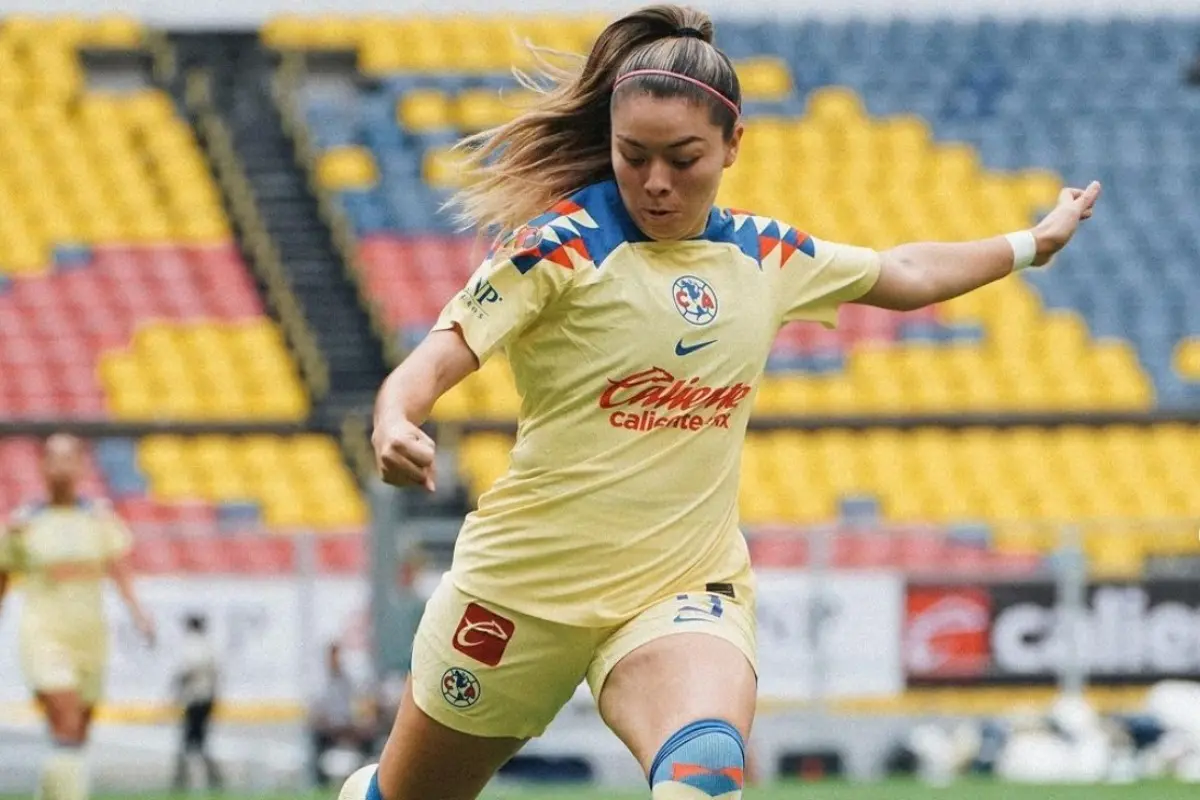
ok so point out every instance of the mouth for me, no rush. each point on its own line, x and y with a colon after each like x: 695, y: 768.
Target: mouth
x: 658, y: 214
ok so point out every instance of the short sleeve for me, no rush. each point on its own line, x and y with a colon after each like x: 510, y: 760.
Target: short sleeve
x: 508, y: 291
x: 8, y: 550
x: 11, y: 550
x: 818, y: 278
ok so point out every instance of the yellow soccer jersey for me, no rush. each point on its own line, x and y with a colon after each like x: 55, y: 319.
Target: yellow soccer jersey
x: 64, y: 554
x: 636, y: 363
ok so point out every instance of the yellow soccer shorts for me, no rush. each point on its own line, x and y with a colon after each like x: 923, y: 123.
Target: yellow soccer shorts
x: 51, y: 664
x: 485, y: 670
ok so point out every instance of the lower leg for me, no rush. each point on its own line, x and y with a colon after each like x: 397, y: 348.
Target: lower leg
x: 64, y: 772
x: 705, y: 759
x: 423, y: 759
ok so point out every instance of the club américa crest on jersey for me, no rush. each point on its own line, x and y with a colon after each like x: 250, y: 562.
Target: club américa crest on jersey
x: 460, y: 687
x: 694, y: 299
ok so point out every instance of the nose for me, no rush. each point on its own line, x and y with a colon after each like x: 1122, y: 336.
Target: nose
x: 658, y: 181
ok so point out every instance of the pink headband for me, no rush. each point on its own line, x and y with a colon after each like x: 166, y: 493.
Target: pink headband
x: 737, y: 112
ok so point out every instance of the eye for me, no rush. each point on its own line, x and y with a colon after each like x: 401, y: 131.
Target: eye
x: 684, y: 163
x: 634, y: 161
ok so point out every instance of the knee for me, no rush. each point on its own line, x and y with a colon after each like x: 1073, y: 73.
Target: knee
x: 707, y: 755
x: 69, y: 730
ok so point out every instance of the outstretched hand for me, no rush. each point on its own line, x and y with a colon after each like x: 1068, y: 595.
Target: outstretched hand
x: 1057, y: 227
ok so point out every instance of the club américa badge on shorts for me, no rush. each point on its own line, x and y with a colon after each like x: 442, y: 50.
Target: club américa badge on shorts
x: 694, y: 299
x: 460, y: 687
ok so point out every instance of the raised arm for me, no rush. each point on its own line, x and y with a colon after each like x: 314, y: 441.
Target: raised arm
x: 403, y: 452
x: 916, y: 275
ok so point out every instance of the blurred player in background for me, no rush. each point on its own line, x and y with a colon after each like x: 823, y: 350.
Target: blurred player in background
x: 637, y: 319
x: 196, y: 691
x: 64, y: 548
x: 343, y: 722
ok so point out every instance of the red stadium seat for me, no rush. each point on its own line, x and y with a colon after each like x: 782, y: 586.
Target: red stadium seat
x: 345, y: 554
x: 207, y: 555
x: 261, y: 555
x: 154, y: 554
x: 778, y: 551
x: 865, y: 550
x: 921, y: 549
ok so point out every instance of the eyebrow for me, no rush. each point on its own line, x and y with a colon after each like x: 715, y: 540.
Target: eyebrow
x: 677, y: 143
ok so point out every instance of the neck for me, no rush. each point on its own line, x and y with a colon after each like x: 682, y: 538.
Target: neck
x: 62, y: 497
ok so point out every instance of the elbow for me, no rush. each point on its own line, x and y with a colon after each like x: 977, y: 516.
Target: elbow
x: 904, y: 284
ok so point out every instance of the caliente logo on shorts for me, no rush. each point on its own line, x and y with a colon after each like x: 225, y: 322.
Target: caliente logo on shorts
x: 483, y: 634
x: 694, y: 299
x: 460, y: 687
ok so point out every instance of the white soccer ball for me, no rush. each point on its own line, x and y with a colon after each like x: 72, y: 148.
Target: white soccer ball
x: 355, y: 787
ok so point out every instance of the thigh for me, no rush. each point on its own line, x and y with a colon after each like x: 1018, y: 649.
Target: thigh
x: 49, y: 666
x: 487, y: 671
x: 683, y: 660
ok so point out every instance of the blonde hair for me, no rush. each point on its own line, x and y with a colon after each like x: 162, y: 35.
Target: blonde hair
x: 518, y: 170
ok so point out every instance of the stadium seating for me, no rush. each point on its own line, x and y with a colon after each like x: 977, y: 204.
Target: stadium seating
x: 184, y: 496
x: 124, y: 298
x: 882, y: 152
x: 875, y: 133
x: 121, y: 294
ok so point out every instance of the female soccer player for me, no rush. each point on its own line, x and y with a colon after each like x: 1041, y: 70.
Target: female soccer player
x: 65, y: 548
x: 637, y: 319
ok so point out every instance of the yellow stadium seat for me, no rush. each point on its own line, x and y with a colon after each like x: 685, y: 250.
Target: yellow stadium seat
x: 1187, y: 359
x: 380, y: 53
x: 480, y: 109
x: 835, y: 105
x: 764, y: 78
x: 427, y: 45
x: 332, y: 32
x: 423, y: 110
x: 112, y: 32
x: 346, y: 168
x: 285, y: 32
x: 443, y: 169
x: 483, y: 458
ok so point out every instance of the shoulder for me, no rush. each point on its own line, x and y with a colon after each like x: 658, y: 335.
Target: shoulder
x: 581, y: 229
x: 96, y: 507
x: 24, y: 514
x: 766, y: 240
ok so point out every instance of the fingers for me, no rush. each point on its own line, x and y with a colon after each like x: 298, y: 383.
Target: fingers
x: 406, y: 457
x: 1087, y: 198
x: 397, y: 469
x: 1081, y: 198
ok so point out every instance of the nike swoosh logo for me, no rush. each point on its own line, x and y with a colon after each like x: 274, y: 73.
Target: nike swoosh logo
x: 682, y: 350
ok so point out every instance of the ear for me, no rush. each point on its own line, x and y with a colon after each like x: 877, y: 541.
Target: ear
x: 733, y: 145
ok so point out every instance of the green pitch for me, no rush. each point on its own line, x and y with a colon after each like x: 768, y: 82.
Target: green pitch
x: 888, y: 790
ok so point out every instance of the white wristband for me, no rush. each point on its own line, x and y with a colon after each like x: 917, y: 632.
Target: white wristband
x: 1024, y: 247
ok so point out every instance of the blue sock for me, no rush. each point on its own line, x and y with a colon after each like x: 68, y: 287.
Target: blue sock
x: 373, y: 792
x: 708, y: 756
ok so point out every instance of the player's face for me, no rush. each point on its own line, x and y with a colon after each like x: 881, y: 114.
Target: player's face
x: 62, y: 462
x: 668, y: 157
